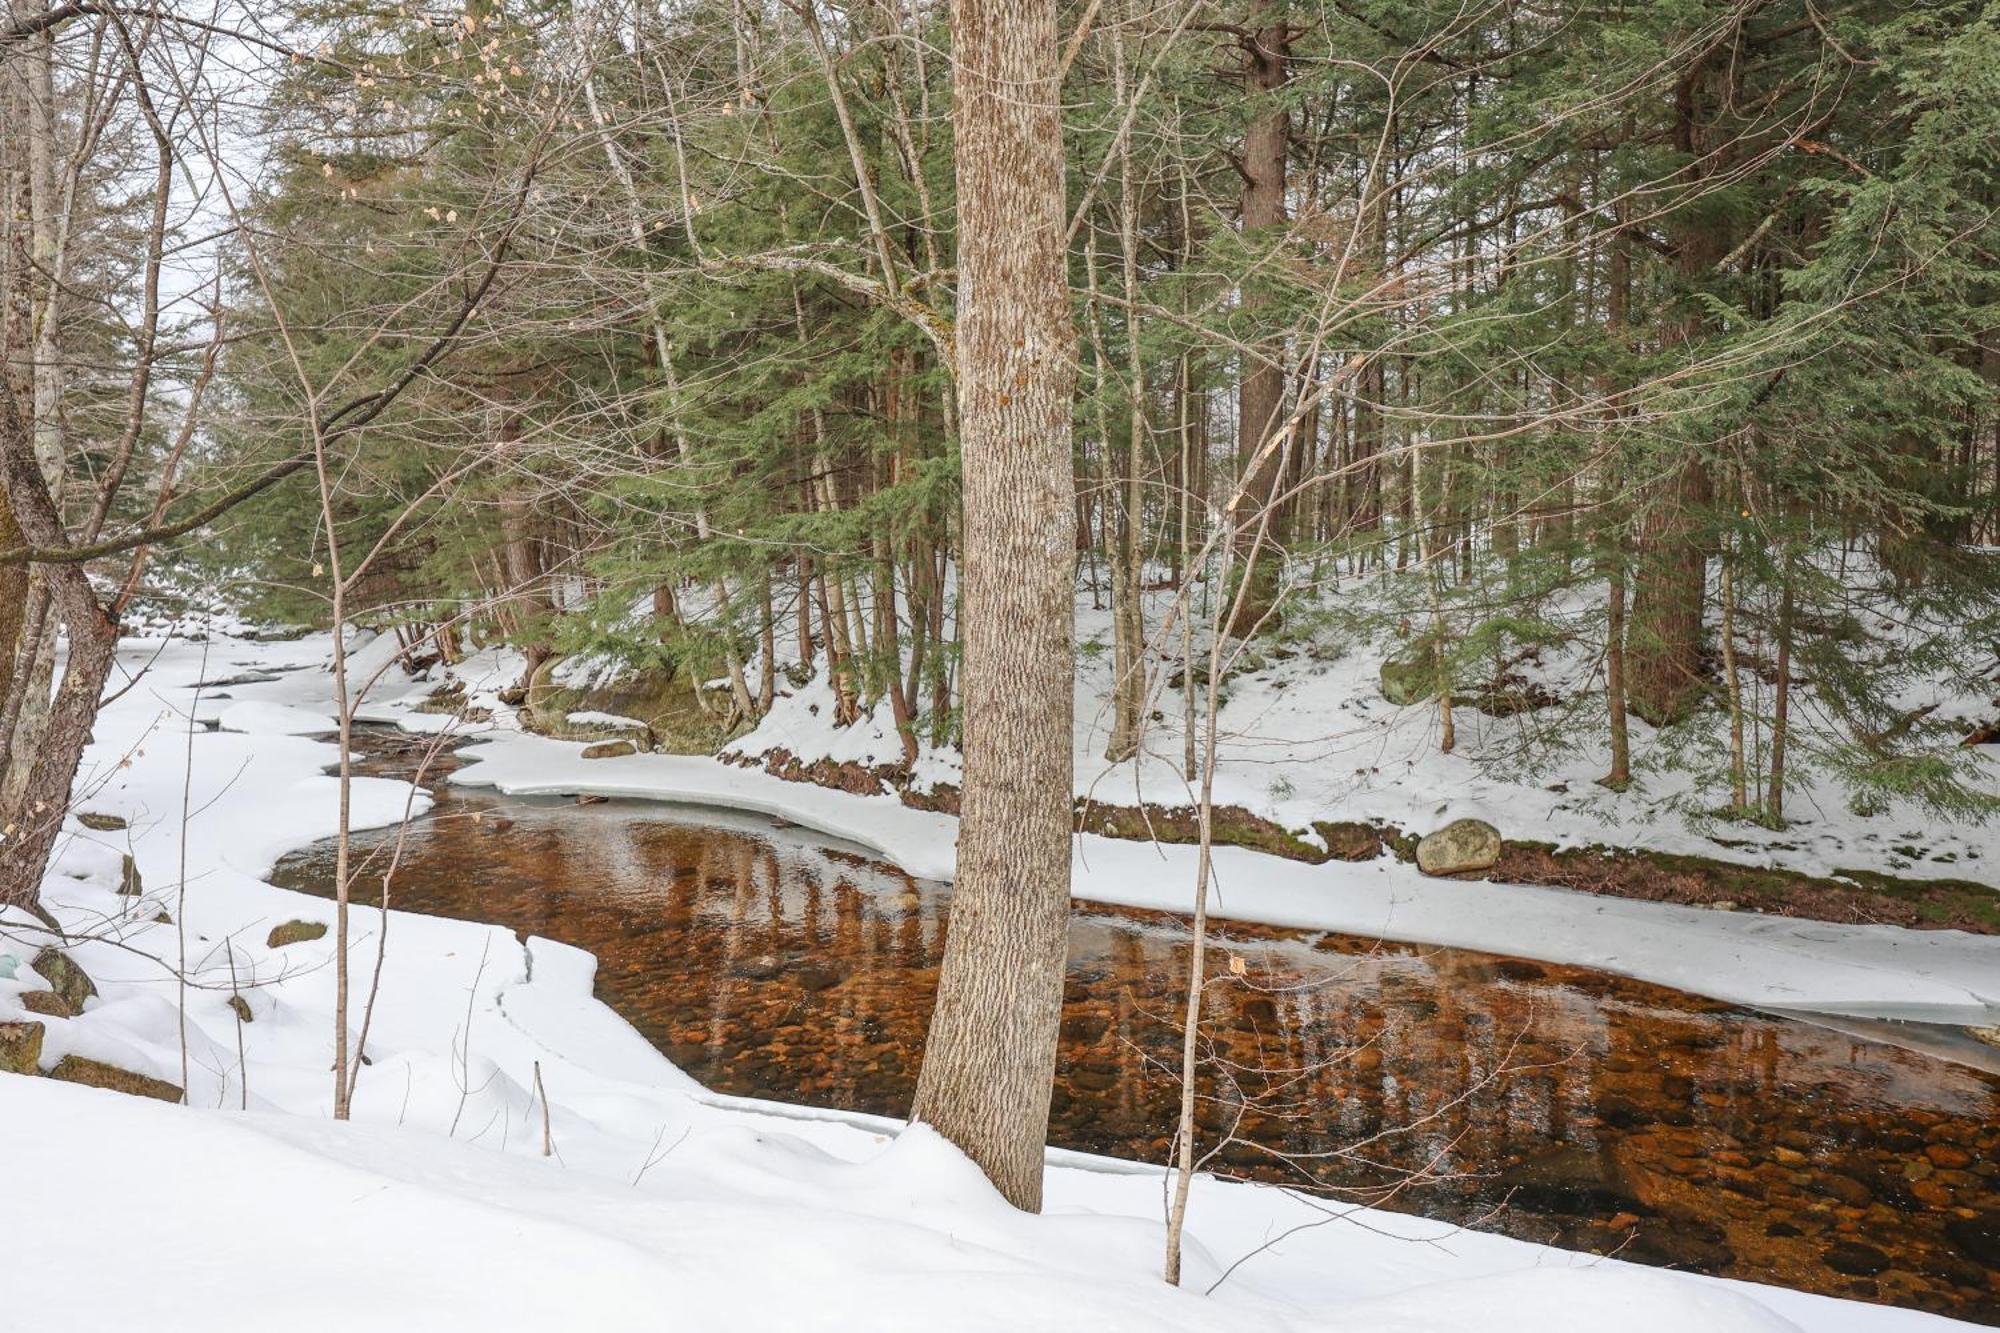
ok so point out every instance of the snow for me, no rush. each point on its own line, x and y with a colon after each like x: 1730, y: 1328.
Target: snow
x: 435, y: 1208
x: 1941, y: 976
x: 1305, y: 735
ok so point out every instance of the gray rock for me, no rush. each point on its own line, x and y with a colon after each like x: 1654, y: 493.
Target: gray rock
x: 1460, y: 846
x: 65, y: 977
x: 20, y: 1048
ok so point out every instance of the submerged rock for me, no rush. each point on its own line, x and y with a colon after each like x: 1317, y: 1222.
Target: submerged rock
x: 1855, y: 1259
x: 1462, y: 845
x: 65, y: 977
x: 294, y: 932
x: 20, y: 1048
x: 97, y: 1074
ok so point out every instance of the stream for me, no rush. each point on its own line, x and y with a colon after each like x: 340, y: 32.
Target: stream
x: 1551, y: 1103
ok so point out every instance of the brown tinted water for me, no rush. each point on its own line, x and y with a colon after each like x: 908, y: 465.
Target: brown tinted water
x: 1552, y: 1103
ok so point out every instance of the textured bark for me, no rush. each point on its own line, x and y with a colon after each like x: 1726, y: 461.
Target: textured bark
x: 37, y: 818
x: 989, y: 1063
x: 1663, y: 655
x: 1663, y: 644
x: 1261, y: 396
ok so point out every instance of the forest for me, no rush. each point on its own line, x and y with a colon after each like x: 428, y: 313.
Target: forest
x: 1387, y: 564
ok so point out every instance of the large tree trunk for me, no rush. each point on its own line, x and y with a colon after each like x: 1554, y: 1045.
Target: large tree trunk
x: 1261, y: 397
x: 989, y: 1063
x: 33, y: 822
x: 1663, y: 651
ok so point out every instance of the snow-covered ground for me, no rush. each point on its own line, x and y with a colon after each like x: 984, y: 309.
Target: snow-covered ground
x: 1305, y: 735
x: 661, y: 1203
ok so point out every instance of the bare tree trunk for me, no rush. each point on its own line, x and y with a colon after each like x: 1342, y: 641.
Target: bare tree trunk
x: 1781, y: 707
x: 1620, y: 776
x: 989, y: 1062
x: 1261, y: 398
x: 1128, y: 613
x: 1738, y: 787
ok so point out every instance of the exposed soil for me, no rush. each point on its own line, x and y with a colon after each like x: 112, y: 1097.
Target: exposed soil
x: 1858, y: 897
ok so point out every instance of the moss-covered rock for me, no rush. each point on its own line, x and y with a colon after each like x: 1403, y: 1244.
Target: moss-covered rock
x: 1349, y: 840
x: 1407, y: 683
x: 99, y: 822
x: 666, y: 715
x: 1460, y: 846
x: 20, y: 1048
x: 65, y: 977
x: 46, y: 1003
x: 610, y: 750
x: 294, y: 932
x: 97, y: 1074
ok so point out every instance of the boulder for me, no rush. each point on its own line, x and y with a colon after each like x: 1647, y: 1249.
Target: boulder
x: 294, y: 932
x: 1460, y: 846
x: 65, y: 978
x: 97, y: 1074
x: 20, y: 1048
x: 610, y: 750
x: 1409, y: 682
x: 46, y: 1003
x: 97, y: 822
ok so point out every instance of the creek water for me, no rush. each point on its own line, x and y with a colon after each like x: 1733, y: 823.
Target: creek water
x: 1552, y: 1103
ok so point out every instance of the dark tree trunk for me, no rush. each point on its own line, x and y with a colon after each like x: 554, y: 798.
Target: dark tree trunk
x: 1261, y: 395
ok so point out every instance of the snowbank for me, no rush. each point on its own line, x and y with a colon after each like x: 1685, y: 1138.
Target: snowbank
x: 1940, y: 976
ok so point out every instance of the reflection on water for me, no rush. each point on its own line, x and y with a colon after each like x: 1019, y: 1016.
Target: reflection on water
x: 1547, y: 1102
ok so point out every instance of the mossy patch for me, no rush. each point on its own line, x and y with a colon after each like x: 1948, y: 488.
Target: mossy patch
x: 20, y: 1048
x: 294, y: 932
x: 1859, y: 896
x: 670, y: 718
x: 67, y: 979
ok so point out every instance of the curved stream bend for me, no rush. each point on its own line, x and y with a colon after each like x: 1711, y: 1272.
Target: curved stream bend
x: 1547, y: 1102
